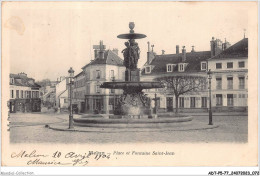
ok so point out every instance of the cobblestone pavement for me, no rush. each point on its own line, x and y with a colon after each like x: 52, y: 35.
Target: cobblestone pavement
x: 29, y: 128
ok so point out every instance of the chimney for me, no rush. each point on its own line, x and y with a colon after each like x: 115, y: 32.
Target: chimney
x: 216, y: 46
x: 22, y: 74
x: 212, y: 47
x: 101, y: 51
x: 225, y: 45
x: 115, y: 50
x: 148, y: 46
x: 95, y: 54
x: 183, y: 54
x: 192, y: 49
x: 163, y: 52
x: 177, y: 49
x: 150, y: 54
x: 101, y: 54
x: 152, y: 47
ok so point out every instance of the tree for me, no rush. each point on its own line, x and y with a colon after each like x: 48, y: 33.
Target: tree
x: 43, y: 83
x: 182, y: 84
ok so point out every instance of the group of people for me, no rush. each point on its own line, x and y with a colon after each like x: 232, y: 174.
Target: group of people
x: 131, y: 54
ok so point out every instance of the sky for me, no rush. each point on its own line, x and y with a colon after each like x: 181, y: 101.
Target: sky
x: 45, y: 39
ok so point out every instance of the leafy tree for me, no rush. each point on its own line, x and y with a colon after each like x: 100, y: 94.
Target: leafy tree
x: 43, y: 83
x: 182, y: 84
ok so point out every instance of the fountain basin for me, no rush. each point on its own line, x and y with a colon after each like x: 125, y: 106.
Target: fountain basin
x: 96, y: 121
x: 131, y: 36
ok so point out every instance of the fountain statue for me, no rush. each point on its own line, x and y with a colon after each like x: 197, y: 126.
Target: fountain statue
x: 133, y: 102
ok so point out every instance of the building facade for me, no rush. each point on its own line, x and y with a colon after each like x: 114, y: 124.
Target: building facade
x: 230, y: 78
x: 24, y: 94
x: 48, y: 94
x: 62, y: 94
x: 88, y: 97
x: 186, y: 64
x: 79, y: 92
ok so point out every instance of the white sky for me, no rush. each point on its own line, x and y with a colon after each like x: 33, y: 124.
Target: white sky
x: 59, y: 35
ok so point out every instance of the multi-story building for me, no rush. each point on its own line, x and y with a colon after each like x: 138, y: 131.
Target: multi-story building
x: 184, y: 64
x: 79, y: 92
x: 106, y: 66
x: 62, y: 94
x: 229, y: 78
x: 24, y: 94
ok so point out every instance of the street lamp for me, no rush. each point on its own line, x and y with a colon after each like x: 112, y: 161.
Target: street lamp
x: 210, y: 111
x: 71, y: 75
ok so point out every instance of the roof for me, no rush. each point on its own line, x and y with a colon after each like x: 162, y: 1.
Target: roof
x: 192, y: 58
x: 20, y: 80
x: 110, y: 58
x: 239, y: 49
x: 79, y: 74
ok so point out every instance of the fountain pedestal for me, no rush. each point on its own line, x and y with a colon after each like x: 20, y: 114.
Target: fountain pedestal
x: 133, y: 103
x: 132, y: 75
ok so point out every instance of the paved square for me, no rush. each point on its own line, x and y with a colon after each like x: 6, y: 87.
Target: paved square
x: 30, y: 128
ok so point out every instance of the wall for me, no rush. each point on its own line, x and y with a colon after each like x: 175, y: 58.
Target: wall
x: 60, y: 88
x: 22, y: 88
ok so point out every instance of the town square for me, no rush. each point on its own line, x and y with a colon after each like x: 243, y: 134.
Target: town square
x: 172, y: 92
x: 232, y: 128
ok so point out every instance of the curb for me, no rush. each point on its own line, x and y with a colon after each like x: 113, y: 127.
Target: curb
x: 83, y: 121
x: 159, y: 130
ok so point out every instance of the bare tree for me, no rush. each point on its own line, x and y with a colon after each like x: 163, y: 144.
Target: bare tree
x: 182, y: 84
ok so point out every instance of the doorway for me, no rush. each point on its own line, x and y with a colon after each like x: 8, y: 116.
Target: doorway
x: 169, y: 104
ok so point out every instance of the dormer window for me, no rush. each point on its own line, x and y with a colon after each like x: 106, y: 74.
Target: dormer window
x: 181, y: 67
x: 203, y: 66
x: 148, y: 69
x: 12, y: 80
x: 170, y: 67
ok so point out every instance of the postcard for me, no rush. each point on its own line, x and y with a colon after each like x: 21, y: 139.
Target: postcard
x: 129, y: 84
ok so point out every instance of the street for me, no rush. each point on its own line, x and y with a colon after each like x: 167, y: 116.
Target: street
x: 30, y: 128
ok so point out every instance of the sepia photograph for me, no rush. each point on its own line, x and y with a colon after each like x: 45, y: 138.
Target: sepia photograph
x: 129, y: 84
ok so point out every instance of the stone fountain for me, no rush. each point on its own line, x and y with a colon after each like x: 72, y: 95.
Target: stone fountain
x: 133, y: 102
x: 133, y: 110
